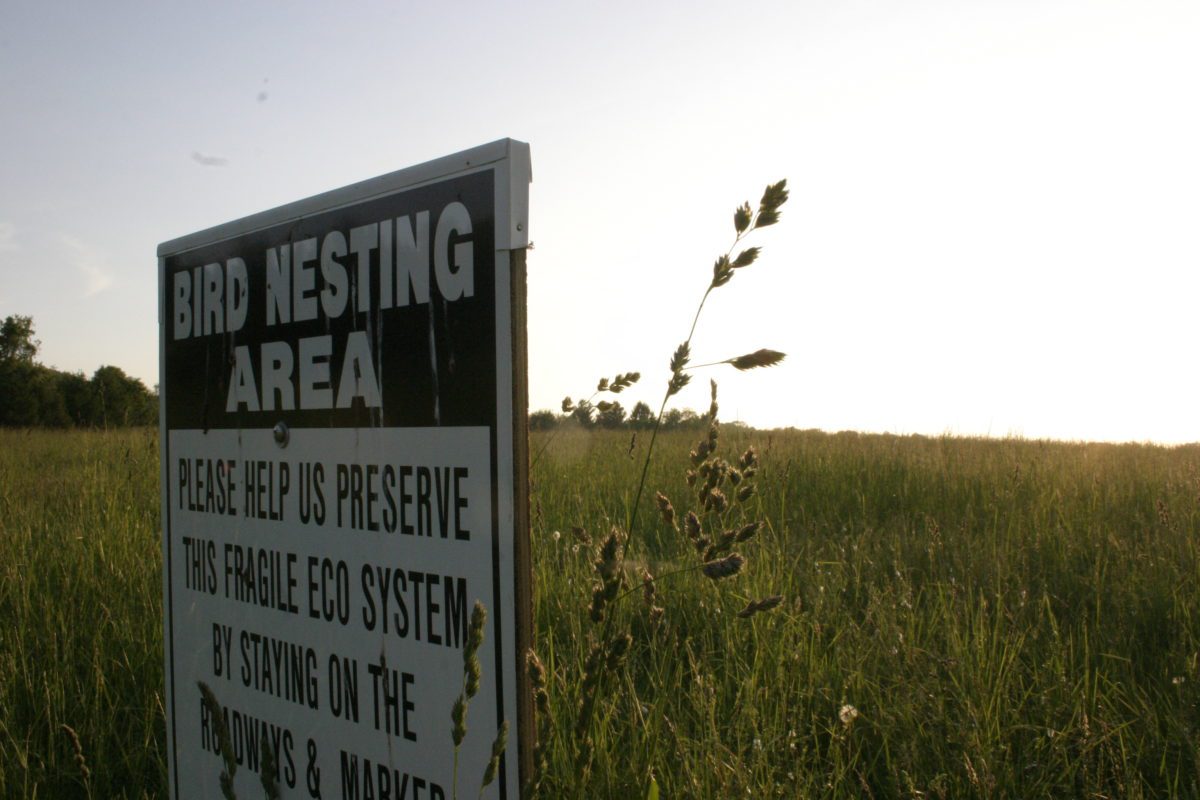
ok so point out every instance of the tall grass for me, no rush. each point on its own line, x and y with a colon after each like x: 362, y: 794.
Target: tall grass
x: 1006, y: 618
x: 964, y: 618
x: 80, y: 615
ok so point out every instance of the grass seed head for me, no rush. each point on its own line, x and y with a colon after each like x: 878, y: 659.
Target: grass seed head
x: 77, y: 749
x: 458, y: 716
x: 665, y: 508
x: 747, y: 532
x: 596, y: 610
x: 742, y: 217
x: 678, y: 381
x: 774, y: 196
x: 473, y: 672
x: 471, y: 668
x: 759, y: 606
x: 537, y: 670
x: 680, y: 358
x: 722, y: 271
x: 618, y: 650
x: 610, y: 556
x: 757, y: 359
x: 715, y: 500
x: 722, y: 545
x: 725, y: 567
x: 746, y: 257
x: 475, y: 635
x: 269, y: 774
x: 498, y: 745
x: 221, y: 730
x: 623, y: 382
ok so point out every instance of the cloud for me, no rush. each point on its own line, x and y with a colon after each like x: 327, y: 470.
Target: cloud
x: 208, y: 161
x: 8, y: 237
x: 91, y: 265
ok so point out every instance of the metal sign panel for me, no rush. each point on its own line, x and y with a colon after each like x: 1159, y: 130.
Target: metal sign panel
x: 343, y: 478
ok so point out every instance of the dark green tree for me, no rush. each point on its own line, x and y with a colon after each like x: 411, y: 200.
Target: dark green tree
x: 584, y: 413
x: 641, y: 418
x: 612, y: 415
x: 543, y: 420
x: 16, y: 340
x: 122, y: 400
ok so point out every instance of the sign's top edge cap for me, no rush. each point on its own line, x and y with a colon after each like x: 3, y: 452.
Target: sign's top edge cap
x: 422, y: 173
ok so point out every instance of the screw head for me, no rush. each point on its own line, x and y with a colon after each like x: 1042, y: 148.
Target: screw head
x: 282, y: 434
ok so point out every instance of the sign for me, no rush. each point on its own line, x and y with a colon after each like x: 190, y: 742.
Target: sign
x: 343, y: 478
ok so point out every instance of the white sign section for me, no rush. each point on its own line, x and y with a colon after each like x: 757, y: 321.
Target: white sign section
x: 342, y: 446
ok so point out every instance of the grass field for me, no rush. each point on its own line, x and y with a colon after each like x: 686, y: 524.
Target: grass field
x: 962, y: 618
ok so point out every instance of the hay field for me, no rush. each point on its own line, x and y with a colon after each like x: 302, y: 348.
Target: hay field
x: 962, y: 618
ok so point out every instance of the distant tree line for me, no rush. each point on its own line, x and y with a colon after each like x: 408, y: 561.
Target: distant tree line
x: 612, y: 416
x: 33, y: 395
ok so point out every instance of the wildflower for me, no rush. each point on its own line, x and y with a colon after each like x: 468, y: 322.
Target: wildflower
x: 556, y: 536
x: 847, y: 714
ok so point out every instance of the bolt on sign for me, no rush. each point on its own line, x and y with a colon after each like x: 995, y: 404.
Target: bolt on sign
x: 343, y: 480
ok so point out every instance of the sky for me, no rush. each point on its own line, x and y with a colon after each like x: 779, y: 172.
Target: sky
x: 993, y: 224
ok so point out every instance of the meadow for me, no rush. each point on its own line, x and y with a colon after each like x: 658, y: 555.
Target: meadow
x: 961, y: 618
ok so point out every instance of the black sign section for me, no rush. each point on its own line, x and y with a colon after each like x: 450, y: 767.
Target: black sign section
x: 330, y: 321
